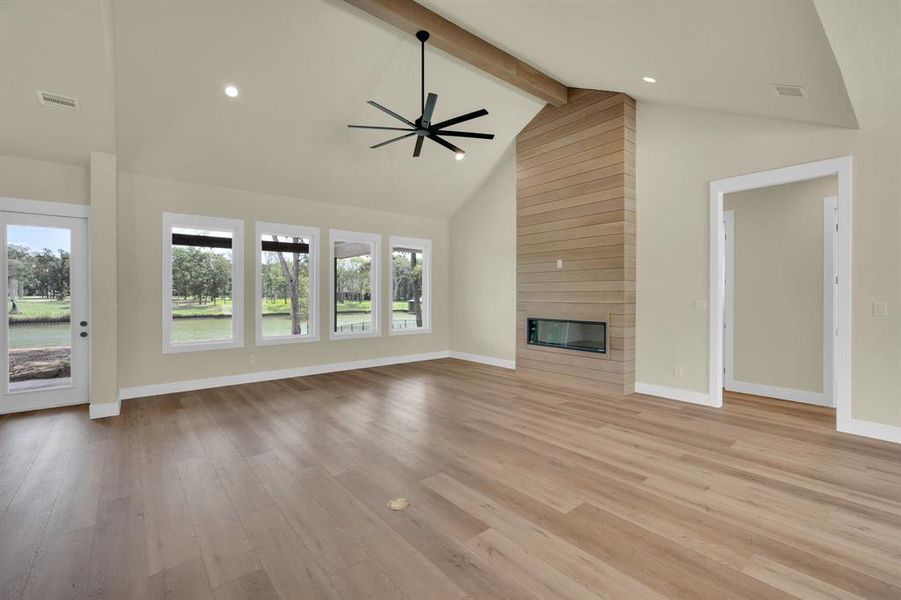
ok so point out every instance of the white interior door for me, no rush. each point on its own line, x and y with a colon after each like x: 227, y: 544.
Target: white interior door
x: 830, y: 295
x: 44, y: 279
x: 729, y: 297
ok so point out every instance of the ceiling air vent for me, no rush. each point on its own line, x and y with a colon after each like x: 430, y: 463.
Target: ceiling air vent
x: 51, y: 99
x: 790, y: 91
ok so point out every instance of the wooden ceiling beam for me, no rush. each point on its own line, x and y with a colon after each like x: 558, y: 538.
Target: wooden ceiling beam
x: 410, y: 16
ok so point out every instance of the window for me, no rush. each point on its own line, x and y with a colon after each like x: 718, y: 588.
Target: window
x: 354, y: 292
x: 202, y: 283
x: 287, y: 284
x: 411, y: 263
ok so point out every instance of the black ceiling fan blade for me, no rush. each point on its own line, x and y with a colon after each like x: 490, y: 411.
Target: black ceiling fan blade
x: 381, y: 128
x: 391, y: 112
x: 418, y: 149
x: 392, y: 140
x: 467, y: 117
x: 467, y: 134
x: 428, y: 109
x: 434, y: 137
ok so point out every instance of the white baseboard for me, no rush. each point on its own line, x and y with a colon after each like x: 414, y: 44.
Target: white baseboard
x: 107, y: 409
x: 253, y: 377
x: 876, y: 431
x: 674, y: 394
x: 779, y: 393
x: 485, y: 360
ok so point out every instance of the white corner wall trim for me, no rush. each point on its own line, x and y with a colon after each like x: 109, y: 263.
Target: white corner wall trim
x: 877, y: 431
x: 107, y: 409
x: 240, y: 379
x: 485, y: 360
x: 671, y: 393
x: 771, y: 391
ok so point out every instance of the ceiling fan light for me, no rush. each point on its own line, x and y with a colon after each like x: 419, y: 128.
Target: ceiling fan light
x: 459, y: 155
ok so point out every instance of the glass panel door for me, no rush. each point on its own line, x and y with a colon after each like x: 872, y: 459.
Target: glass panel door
x: 44, y: 282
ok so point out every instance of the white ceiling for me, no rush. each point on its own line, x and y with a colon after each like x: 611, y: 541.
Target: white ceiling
x: 304, y: 70
x: 62, y: 47
x: 722, y: 54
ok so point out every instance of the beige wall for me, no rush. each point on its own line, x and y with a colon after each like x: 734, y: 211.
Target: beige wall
x: 679, y: 151
x: 778, y: 283
x: 40, y: 180
x: 142, y: 200
x: 483, y: 267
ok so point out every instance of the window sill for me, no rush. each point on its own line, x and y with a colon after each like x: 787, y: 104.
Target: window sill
x: 417, y: 331
x: 353, y: 336
x: 288, y: 339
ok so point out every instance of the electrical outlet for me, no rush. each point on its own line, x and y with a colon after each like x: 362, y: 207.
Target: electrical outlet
x: 677, y: 371
x: 559, y: 263
x: 880, y: 308
x: 253, y: 359
x: 700, y: 304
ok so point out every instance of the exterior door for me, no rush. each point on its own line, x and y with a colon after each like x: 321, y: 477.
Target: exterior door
x: 43, y: 278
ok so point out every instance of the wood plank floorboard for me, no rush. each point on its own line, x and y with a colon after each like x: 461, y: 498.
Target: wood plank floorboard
x: 517, y: 490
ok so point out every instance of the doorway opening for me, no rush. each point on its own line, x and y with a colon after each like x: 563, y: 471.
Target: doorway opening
x: 780, y: 286
x: 839, y: 348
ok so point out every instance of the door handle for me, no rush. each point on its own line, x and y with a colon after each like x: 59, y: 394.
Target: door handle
x: 83, y: 334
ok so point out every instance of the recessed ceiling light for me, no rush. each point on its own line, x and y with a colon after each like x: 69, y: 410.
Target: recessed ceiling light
x: 231, y: 91
x: 649, y: 80
x: 460, y: 155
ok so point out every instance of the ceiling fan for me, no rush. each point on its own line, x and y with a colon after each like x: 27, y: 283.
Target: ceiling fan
x: 423, y: 127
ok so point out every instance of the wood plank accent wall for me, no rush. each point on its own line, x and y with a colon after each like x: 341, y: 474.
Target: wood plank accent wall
x: 575, y: 201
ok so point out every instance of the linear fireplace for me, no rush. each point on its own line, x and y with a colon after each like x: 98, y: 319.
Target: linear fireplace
x: 586, y: 336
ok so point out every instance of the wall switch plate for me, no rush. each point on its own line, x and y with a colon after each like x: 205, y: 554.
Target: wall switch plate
x: 880, y: 308
x: 700, y: 304
x: 559, y: 263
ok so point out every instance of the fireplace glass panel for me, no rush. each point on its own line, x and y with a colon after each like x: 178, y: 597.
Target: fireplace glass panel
x: 586, y: 336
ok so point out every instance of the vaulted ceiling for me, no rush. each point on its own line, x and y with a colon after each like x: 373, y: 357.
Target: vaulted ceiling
x: 149, y: 76
x: 304, y: 70
x: 63, y: 47
x: 722, y: 55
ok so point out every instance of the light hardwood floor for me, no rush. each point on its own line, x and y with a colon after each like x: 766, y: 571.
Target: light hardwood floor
x: 279, y: 490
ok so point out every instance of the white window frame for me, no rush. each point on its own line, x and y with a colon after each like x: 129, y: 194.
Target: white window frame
x: 339, y: 235
x: 236, y: 226
x: 426, y: 247
x: 261, y: 229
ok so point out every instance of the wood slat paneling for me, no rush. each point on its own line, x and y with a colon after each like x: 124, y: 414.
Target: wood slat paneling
x: 576, y: 202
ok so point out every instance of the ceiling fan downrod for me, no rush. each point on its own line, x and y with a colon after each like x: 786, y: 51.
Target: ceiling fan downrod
x: 423, y: 36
